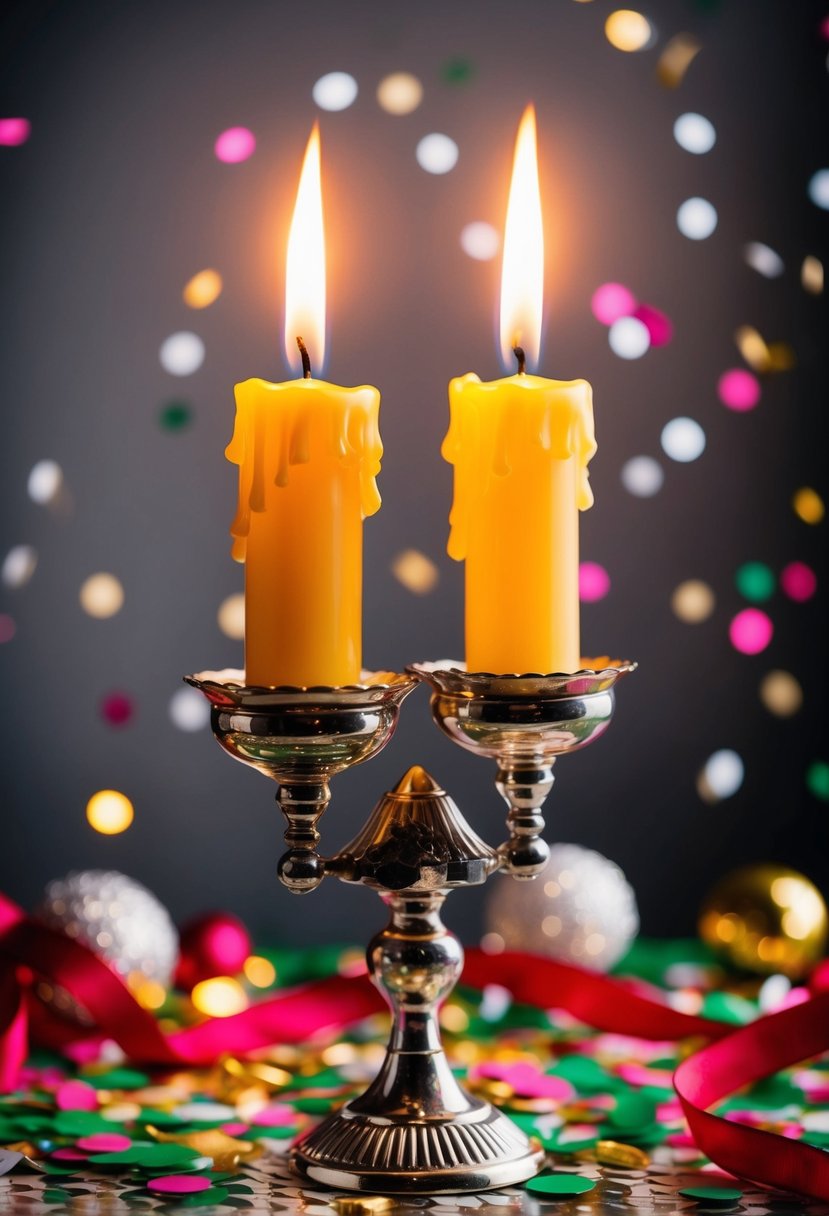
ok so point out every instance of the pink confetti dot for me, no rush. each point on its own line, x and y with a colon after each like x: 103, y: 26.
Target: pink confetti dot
x: 14, y: 131
x: 235, y: 145
x: 76, y: 1095
x: 612, y: 301
x: 117, y: 708
x: 234, y: 1129
x: 274, y: 1116
x: 798, y: 581
x: 68, y: 1154
x: 104, y: 1142
x: 659, y: 326
x: 738, y: 389
x: 750, y: 631
x: 594, y: 582
x: 179, y: 1184
x: 7, y: 627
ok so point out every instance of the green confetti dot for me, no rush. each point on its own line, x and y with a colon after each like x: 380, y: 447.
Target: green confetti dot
x: 458, y: 70
x: 559, y: 1184
x: 80, y: 1123
x: 151, y: 1156
x: 817, y: 779
x: 712, y: 1194
x: 633, y: 1111
x: 175, y: 416
x: 211, y: 1198
x: 755, y: 582
x: 119, y: 1078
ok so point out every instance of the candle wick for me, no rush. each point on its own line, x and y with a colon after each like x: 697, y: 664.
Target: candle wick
x: 518, y: 351
x: 306, y: 359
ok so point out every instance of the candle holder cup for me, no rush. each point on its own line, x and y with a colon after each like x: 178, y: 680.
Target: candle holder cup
x: 414, y: 1130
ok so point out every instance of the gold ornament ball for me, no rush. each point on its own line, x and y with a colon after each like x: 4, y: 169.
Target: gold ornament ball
x: 767, y: 919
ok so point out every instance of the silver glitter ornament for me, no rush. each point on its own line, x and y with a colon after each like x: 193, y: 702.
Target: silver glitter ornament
x: 116, y: 918
x: 580, y: 909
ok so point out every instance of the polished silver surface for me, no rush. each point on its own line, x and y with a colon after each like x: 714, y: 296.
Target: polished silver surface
x: 301, y: 737
x: 523, y: 722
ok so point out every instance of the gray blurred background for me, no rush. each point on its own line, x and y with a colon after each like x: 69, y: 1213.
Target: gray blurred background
x: 117, y: 199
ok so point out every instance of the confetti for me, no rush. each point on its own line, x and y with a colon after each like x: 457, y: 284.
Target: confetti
x: 335, y: 91
x: 628, y: 30
x: 45, y: 482
x: 798, y: 581
x: 189, y: 710
x: 182, y: 353
x: 235, y: 145
x: 694, y: 133
x: 712, y: 1194
x: 738, y: 390
x: 612, y: 301
x: 678, y: 55
x: 763, y: 259
x: 559, y: 1184
x: 594, y: 582
x: 659, y: 327
x: 76, y: 1095
x: 755, y: 581
x: 437, y: 153
x: 683, y: 440
x: 693, y: 601
x: 14, y: 132
x: 629, y: 338
x: 117, y: 708
x: 480, y: 240
x: 808, y: 505
x: 179, y: 1184
x: 109, y: 812
x: 811, y: 275
x: 101, y: 596
x: 203, y: 289
x: 696, y: 218
x: 219, y: 997
x: 750, y: 631
x: 400, y: 93
x: 819, y: 189
x: 642, y: 476
x: 415, y: 571
x: 19, y: 565
x: 104, y: 1142
x: 175, y: 416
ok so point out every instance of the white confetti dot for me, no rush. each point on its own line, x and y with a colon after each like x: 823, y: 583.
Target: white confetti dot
x: 819, y: 189
x: 182, y: 354
x: 19, y: 565
x: 696, y: 218
x: 722, y: 775
x: 629, y: 338
x: 400, y: 93
x: 683, y: 439
x: 437, y: 153
x: 642, y: 476
x: 189, y: 710
x: 480, y: 240
x: 102, y: 595
x: 695, y: 133
x: 45, y: 481
x: 763, y: 259
x: 335, y: 91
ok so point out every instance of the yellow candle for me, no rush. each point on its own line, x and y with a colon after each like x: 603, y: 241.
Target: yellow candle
x: 308, y: 453
x: 520, y: 448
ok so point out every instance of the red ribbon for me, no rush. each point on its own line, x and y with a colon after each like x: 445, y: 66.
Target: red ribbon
x: 732, y: 1059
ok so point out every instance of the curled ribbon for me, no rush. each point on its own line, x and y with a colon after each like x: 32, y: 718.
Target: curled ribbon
x: 731, y: 1060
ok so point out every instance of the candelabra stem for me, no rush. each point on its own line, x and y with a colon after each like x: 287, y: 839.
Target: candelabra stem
x: 301, y: 868
x: 524, y: 788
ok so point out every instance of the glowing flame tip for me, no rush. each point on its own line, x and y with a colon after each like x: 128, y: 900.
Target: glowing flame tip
x: 522, y: 273
x: 305, y: 266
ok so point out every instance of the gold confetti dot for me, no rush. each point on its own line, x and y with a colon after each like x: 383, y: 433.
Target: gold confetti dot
x: 259, y: 971
x: 109, y: 812
x: 417, y: 572
x: 781, y: 693
x: 811, y: 275
x: 399, y: 93
x: 203, y: 289
x: 808, y: 505
x: 676, y: 58
x: 627, y: 30
x: 693, y: 601
x: 219, y: 997
x: 231, y: 616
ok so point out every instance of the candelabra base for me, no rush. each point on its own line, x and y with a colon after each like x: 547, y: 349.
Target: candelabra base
x: 473, y: 1150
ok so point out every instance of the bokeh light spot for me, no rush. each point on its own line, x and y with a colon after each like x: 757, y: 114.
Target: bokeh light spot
x: 696, y: 218
x: 219, y: 997
x: 659, y: 326
x: 415, y: 571
x: 683, y: 439
x: 45, y: 482
x: 594, y: 582
x: 750, y: 631
x: 19, y: 565
x: 799, y: 582
x: 117, y: 708
x: 693, y: 601
x: 642, y: 476
x: 150, y: 994
x: 235, y: 145
x: 694, y: 133
x: 721, y: 776
x: 203, y: 289
x: 763, y: 259
x: 189, y: 710
x: 755, y: 581
x: 14, y: 132
x: 819, y: 189
x: 781, y: 693
x: 458, y: 70
x: 437, y: 153
x: 811, y: 275
x: 808, y: 505
x: 629, y: 338
x: 259, y: 971
x: 7, y: 628
x: 182, y: 353
x: 628, y: 30
x: 400, y: 93
x: 175, y: 416
x: 817, y: 780
x: 612, y: 301
x: 480, y: 240
x: 231, y: 616
x: 102, y: 595
x: 109, y: 812
x: 676, y: 58
x: 335, y: 91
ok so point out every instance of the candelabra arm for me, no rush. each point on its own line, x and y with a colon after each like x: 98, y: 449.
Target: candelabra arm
x: 524, y: 790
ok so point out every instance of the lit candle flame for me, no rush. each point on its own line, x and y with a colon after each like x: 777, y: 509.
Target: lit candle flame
x: 305, y: 267
x: 522, y: 272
